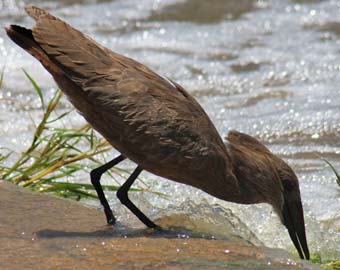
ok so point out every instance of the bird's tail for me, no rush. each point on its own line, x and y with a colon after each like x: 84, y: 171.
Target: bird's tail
x: 24, y: 38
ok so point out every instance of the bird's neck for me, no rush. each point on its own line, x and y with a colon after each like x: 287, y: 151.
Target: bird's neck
x: 253, y: 174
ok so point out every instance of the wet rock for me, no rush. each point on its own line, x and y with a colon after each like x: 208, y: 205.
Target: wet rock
x: 39, y: 231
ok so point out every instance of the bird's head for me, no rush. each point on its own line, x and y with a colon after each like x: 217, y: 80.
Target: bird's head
x: 264, y: 177
x: 291, y: 211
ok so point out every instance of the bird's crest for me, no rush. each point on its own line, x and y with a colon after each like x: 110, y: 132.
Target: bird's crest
x: 38, y: 13
x: 237, y: 138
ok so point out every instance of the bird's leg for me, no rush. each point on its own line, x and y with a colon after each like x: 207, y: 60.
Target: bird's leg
x: 95, y: 180
x: 122, y: 195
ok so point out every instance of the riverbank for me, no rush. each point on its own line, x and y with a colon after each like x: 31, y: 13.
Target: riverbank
x: 39, y: 231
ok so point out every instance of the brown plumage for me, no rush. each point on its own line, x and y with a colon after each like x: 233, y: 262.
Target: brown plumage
x: 158, y: 125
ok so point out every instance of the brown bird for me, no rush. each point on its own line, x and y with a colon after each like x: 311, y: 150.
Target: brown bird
x: 157, y: 124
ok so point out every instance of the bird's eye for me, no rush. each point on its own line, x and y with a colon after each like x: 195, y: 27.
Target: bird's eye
x: 288, y: 184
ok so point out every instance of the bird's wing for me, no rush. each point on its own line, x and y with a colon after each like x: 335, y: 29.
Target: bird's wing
x: 141, y: 113
x: 160, y: 114
x: 77, y: 54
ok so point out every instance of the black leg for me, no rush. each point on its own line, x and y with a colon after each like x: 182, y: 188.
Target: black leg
x: 122, y: 195
x: 95, y: 180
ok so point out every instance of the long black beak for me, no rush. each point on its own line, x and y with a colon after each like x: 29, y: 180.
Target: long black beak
x: 295, y: 223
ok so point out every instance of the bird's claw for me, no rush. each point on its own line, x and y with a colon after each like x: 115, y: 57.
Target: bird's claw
x: 158, y: 228
x: 111, y: 220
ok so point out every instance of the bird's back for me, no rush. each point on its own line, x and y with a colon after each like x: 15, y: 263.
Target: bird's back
x: 146, y: 117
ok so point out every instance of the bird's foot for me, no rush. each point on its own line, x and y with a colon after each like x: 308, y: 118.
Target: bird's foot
x: 150, y: 231
x: 158, y: 228
x: 111, y: 220
x: 155, y: 228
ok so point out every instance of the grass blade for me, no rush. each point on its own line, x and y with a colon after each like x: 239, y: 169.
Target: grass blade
x: 54, y: 153
x: 36, y: 87
x: 334, y: 170
x: 59, y: 117
x: 2, y: 74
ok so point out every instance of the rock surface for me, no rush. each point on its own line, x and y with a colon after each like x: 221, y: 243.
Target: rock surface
x: 39, y: 231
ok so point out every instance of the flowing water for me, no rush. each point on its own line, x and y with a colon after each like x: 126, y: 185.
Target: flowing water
x: 268, y: 68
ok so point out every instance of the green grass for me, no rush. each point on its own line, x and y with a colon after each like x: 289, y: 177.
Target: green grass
x: 56, y: 153
x: 337, y: 175
x: 327, y: 263
x: 2, y: 76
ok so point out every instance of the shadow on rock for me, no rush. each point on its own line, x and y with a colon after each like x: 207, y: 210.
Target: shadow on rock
x: 121, y: 231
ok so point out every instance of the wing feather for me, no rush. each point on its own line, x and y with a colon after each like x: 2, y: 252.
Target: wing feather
x: 147, y: 117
